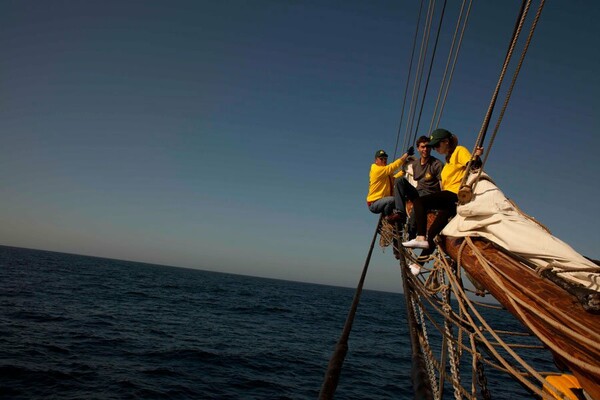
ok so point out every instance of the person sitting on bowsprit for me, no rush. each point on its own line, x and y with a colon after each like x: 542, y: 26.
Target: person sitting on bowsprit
x: 426, y: 172
x: 380, y: 198
x: 457, y: 158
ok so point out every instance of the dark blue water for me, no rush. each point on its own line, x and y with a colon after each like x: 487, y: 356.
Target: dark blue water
x: 77, y: 327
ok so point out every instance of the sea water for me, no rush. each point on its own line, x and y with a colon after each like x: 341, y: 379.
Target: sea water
x: 78, y: 327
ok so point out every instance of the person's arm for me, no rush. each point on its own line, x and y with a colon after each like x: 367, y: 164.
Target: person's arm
x: 392, y: 167
x: 476, y: 163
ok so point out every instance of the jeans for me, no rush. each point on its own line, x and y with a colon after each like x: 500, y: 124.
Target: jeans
x: 384, y: 205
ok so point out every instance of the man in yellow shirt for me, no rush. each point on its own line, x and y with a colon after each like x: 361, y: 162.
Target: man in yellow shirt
x: 380, y: 198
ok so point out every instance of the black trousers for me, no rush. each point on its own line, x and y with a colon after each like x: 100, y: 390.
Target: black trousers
x: 403, y: 191
x: 445, y: 203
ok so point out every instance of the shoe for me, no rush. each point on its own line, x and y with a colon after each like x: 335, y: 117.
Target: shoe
x: 415, y: 269
x: 416, y: 244
x: 395, y: 217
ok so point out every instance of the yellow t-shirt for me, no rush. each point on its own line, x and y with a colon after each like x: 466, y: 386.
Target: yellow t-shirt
x: 381, y: 179
x: 455, y: 169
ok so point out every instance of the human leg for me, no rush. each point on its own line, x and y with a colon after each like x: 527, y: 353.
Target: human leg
x: 420, y: 207
x: 384, y: 206
x: 445, y: 204
x: 403, y: 191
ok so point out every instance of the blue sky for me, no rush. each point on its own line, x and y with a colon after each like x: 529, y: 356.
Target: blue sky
x: 237, y: 136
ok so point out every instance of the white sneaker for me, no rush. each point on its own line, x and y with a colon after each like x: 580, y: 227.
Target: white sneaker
x: 416, y: 244
x: 415, y: 269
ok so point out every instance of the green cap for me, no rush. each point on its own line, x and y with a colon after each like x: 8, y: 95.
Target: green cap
x: 380, y: 153
x: 437, y: 136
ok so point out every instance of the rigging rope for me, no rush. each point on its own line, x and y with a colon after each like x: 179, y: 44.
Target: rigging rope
x: 449, y: 79
x: 509, y: 93
x: 437, y: 37
x: 408, y: 79
x: 419, y: 74
x: 476, y: 331
x: 516, y: 33
x: 420, y: 378
x: 334, y: 368
x: 465, y: 192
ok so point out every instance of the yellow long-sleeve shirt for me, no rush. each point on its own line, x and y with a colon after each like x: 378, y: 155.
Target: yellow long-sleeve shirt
x: 455, y: 169
x: 381, y: 179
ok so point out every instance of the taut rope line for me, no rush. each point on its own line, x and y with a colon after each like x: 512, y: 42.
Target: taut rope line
x: 334, y: 368
x: 419, y: 73
x: 509, y: 93
x: 453, y: 66
x: 408, y: 79
x: 437, y: 37
x: 465, y: 193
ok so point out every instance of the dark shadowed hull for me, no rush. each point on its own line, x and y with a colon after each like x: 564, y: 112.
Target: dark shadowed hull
x: 538, y: 303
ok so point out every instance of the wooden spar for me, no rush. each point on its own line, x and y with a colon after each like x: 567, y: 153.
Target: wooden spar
x: 559, y: 304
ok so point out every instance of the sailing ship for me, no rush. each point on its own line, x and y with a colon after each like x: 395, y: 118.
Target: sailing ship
x: 492, y: 248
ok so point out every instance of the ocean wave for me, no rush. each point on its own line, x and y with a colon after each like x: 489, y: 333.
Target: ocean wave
x: 114, y: 330
x: 36, y: 316
x: 160, y: 371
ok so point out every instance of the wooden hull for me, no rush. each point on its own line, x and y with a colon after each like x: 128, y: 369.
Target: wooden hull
x: 556, y: 304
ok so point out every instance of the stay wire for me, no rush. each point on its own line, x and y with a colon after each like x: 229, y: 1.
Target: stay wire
x: 437, y: 37
x: 447, y: 78
x: 516, y: 32
x: 482, y: 133
x: 454, y: 64
x: 419, y: 73
x: 412, y: 55
x: 510, y: 90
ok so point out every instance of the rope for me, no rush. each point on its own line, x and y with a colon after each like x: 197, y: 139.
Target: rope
x: 421, y: 384
x: 429, y: 359
x: 560, y: 326
x: 437, y: 37
x: 417, y: 82
x: 488, y: 115
x: 516, y: 33
x: 334, y: 368
x: 466, y: 301
x: 454, y: 64
x: 509, y: 368
x: 510, y: 90
x: 408, y: 79
x: 437, y: 101
x: 516, y: 302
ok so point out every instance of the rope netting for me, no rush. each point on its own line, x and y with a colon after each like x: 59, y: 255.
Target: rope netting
x: 471, y: 345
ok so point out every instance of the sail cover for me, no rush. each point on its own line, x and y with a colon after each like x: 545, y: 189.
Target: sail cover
x: 491, y: 215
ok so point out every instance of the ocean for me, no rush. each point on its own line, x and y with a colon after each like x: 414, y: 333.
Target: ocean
x: 79, y: 327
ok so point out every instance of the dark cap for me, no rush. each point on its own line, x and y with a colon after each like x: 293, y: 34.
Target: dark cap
x: 437, y: 136
x: 380, y: 153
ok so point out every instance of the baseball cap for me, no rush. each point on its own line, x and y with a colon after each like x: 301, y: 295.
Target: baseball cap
x: 437, y: 136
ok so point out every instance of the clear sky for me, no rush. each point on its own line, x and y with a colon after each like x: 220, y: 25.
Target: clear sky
x: 237, y: 136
